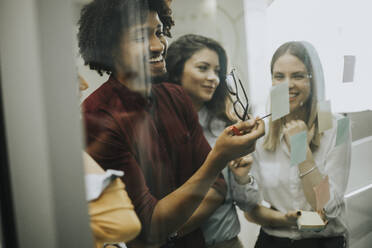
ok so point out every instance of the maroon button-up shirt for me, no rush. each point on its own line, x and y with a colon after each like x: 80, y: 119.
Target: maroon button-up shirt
x: 157, y: 142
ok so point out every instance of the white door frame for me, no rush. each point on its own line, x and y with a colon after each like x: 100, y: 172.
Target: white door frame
x: 42, y: 123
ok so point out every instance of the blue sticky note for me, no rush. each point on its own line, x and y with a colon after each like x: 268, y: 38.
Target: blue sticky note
x: 298, y: 147
x: 279, y: 100
x: 342, y: 130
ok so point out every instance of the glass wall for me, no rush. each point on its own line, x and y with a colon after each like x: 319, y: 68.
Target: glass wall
x: 122, y: 127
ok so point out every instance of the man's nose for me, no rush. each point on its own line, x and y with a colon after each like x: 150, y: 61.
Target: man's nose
x: 156, y: 45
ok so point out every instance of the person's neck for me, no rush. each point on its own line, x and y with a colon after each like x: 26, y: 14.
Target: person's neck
x: 159, y: 79
x: 198, y: 105
x: 131, y: 82
x: 299, y: 114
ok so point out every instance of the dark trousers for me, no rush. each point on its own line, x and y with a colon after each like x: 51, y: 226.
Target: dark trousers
x: 265, y: 240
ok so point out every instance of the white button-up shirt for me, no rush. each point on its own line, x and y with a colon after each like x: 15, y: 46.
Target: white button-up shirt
x: 280, y: 185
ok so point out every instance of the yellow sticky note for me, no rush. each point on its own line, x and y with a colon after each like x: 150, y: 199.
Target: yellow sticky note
x: 322, y: 194
x: 324, y: 116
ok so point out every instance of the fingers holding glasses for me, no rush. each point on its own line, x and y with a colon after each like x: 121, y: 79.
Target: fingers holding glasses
x: 236, y: 90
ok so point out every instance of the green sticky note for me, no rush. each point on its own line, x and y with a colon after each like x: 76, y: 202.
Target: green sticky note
x: 342, y: 130
x: 298, y: 147
x: 279, y: 100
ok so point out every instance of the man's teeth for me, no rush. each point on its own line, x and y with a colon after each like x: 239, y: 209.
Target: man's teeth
x: 293, y: 95
x: 157, y: 59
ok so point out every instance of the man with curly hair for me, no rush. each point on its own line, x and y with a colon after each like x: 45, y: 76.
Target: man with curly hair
x: 150, y: 131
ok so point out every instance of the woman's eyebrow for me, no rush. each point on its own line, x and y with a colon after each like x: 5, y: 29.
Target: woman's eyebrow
x: 299, y: 72
x: 207, y: 63
x: 202, y: 62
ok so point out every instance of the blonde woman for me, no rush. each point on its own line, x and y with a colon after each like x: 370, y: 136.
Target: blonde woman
x: 290, y: 188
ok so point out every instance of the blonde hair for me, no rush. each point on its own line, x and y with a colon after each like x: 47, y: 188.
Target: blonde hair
x: 298, y: 50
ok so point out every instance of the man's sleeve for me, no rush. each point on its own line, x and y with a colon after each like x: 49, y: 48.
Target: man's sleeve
x: 201, y: 147
x: 109, y: 146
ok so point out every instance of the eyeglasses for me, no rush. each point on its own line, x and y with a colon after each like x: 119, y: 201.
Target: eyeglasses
x: 234, y: 86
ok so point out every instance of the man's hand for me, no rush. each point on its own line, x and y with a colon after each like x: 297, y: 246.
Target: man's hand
x: 229, y: 146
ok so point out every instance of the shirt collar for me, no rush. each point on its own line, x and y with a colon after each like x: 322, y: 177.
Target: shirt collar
x: 131, y: 97
x: 203, y: 115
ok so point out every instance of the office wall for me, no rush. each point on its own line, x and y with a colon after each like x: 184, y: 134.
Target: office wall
x: 361, y: 124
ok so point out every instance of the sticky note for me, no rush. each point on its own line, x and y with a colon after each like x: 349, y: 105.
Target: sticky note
x: 322, y: 195
x: 342, y: 130
x: 310, y: 221
x: 279, y: 100
x: 298, y: 147
x: 349, y: 68
x: 324, y: 116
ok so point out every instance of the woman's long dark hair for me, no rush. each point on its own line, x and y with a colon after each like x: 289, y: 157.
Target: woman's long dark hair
x: 182, y: 50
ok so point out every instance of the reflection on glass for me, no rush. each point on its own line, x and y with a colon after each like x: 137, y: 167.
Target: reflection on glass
x: 136, y: 124
x: 148, y: 129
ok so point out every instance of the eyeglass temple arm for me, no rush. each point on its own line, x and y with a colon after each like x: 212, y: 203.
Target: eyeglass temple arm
x: 246, y: 99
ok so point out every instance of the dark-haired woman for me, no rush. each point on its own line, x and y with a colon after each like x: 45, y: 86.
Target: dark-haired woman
x: 199, y: 64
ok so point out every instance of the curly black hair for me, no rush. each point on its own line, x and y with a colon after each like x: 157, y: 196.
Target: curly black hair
x: 180, y: 51
x: 102, y: 23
